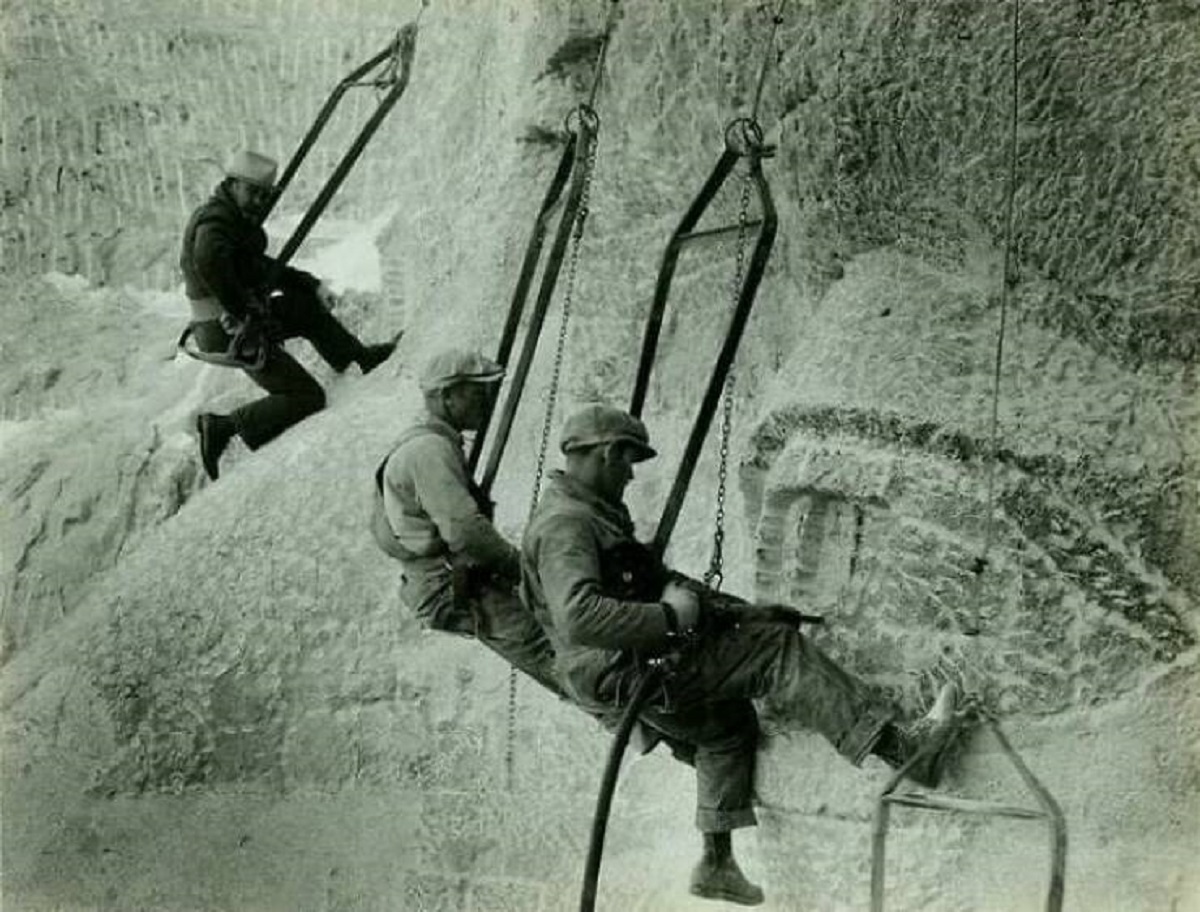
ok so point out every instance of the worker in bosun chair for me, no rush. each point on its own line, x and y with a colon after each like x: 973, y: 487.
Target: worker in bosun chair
x: 227, y: 271
x: 460, y: 575
x: 576, y: 557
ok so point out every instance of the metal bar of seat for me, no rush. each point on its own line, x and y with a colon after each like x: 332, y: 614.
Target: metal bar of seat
x: 314, y: 212
x: 717, y: 232
x: 958, y: 805
x: 724, y: 363
x: 666, y: 272
x: 322, y: 118
x: 533, y: 253
x: 588, y: 127
x: 1050, y: 812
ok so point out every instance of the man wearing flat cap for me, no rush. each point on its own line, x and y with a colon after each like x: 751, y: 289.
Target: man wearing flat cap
x: 460, y: 575
x: 605, y: 614
x: 233, y: 287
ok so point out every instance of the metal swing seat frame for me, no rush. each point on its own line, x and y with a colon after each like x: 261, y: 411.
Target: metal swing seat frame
x: 1048, y: 810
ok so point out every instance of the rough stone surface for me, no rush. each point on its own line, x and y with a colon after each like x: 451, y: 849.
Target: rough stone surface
x: 212, y: 695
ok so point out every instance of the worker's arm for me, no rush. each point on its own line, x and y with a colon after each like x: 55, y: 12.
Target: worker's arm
x: 214, y: 255
x: 440, y: 479
x: 289, y: 277
x: 568, y: 565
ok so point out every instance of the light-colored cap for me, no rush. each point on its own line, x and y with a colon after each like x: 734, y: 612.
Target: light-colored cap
x: 458, y: 365
x: 252, y: 167
x: 597, y: 424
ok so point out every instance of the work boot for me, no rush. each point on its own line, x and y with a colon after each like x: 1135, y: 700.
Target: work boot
x: 723, y: 879
x: 374, y: 355
x: 932, y: 735
x: 215, y: 432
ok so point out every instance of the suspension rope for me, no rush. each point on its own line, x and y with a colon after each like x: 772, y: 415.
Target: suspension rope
x: 776, y: 21
x: 609, y: 25
x: 1009, y: 282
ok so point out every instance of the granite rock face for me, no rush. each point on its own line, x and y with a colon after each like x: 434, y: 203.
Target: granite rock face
x: 209, y: 689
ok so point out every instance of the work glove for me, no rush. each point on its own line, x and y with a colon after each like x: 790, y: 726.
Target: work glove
x: 685, y: 603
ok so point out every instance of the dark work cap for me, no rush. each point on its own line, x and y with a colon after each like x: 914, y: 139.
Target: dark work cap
x: 597, y: 424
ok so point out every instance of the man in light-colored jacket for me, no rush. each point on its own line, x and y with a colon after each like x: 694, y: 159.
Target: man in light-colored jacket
x: 605, y: 613
x: 460, y: 575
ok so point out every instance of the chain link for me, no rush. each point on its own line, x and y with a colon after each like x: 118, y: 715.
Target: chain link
x: 715, y: 574
x: 510, y: 732
x: 563, y: 325
x: 548, y: 419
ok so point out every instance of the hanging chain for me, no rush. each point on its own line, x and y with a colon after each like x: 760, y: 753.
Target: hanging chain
x: 510, y: 755
x: 589, y: 164
x: 715, y: 574
x: 564, y: 323
x: 590, y: 132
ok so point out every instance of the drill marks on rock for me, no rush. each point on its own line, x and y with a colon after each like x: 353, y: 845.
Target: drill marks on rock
x: 885, y: 539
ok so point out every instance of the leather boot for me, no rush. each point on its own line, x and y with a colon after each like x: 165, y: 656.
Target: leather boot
x: 932, y: 734
x: 374, y: 355
x: 723, y: 879
x: 215, y: 432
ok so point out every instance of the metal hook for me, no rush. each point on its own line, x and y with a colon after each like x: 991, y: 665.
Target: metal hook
x: 744, y: 136
x: 589, y: 120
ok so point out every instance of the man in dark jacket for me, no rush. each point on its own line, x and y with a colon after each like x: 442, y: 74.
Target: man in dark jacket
x: 578, y: 585
x: 237, y: 291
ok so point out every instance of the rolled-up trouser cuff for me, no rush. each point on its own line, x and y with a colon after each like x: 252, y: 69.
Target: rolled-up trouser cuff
x: 710, y: 821
x: 856, y: 744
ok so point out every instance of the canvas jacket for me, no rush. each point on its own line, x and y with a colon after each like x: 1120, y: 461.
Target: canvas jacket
x: 594, y: 635
x: 430, y: 505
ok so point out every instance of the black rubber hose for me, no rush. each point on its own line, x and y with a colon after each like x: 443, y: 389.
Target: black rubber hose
x: 608, y: 785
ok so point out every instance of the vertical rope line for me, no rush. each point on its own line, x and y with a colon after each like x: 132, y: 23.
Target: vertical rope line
x: 762, y: 73
x: 609, y: 25
x: 1009, y: 281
